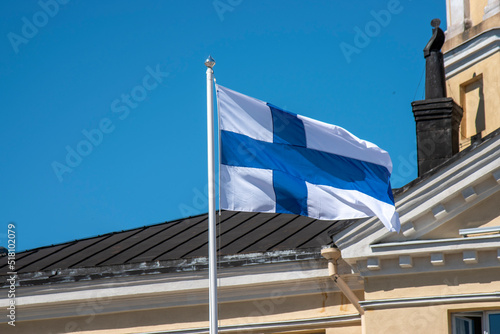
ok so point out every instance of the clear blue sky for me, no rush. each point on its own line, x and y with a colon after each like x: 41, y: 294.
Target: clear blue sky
x: 99, y: 69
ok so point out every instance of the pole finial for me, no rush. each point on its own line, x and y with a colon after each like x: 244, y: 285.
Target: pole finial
x: 435, y: 23
x: 210, y: 62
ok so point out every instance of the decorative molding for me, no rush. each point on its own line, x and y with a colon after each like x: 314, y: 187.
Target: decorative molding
x: 439, y: 211
x: 408, y: 229
x: 469, y: 194
x: 181, y: 289
x: 470, y: 257
x: 437, y: 259
x: 426, y: 246
x: 471, y: 52
x: 405, y: 261
x: 478, y: 230
x: 267, y: 282
x: 373, y: 264
x: 431, y: 300
x: 455, y: 16
x: 496, y: 175
x: 437, y: 262
x: 275, y: 326
x: 492, y: 8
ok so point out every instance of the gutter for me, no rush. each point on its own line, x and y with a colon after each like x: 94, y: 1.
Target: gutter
x: 332, y: 255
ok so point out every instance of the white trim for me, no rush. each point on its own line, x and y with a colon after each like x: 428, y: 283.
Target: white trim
x: 373, y: 264
x: 408, y: 229
x: 469, y: 194
x: 471, y: 52
x: 486, y: 319
x: 176, y: 287
x: 455, y: 16
x: 469, y: 231
x: 496, y: 175
x: 275, y: 325
x: 405, y: 261
x: 439, y: 211
x: 492, y: 8
x: 431, y: 300
x: 124, y: 294
x: 470, y: 257
x: 437, y: 242
x: 436, y: 246
x: 437, y: 259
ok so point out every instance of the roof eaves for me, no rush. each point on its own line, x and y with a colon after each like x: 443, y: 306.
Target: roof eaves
x: 161, y: 267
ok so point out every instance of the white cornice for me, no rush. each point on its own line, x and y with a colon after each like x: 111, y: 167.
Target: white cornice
x: 431, y: 300
x: 416, y: 247
x: 449, y: 260
x: 471, y: 52
x: 82, y: 292
x: 175, y: 290
x: 281, y: 326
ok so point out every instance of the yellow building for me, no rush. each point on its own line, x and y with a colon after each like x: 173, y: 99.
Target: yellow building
x: 292, y: 274
x: 472, y: 64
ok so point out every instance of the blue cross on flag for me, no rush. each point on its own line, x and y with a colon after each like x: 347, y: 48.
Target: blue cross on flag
x: 276, y: 161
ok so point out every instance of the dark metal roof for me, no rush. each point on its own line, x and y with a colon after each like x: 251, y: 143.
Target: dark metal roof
x: 238, y: 233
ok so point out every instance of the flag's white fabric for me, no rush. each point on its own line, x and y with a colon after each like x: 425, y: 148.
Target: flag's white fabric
x: 276, y: 161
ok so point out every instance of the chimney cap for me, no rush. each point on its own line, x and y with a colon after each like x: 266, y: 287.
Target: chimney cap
x: 437, y: 40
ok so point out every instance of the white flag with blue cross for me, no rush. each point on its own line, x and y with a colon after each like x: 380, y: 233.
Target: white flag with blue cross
x: 276, y: 161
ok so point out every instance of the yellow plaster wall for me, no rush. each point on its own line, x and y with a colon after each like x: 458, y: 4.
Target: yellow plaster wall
x: 484, y: 214
x: 241, y: 313
x: 477, y: 10
x: 287, y: 308
x: 418, y: 320
x: 492, y: 223
x: 344, y: 330
x: 489, y: 71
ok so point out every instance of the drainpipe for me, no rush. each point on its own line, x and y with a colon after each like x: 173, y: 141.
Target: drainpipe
x: 332, y: 255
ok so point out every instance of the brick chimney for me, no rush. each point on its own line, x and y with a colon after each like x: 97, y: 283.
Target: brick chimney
x: 437, y: 117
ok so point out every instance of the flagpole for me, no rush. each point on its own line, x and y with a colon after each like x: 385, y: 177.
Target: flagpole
x: 212, y: 245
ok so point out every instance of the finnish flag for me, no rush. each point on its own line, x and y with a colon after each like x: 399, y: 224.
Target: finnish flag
x: 276, y: 161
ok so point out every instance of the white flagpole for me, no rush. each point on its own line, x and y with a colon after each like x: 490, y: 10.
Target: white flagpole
x: 212, y: 245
